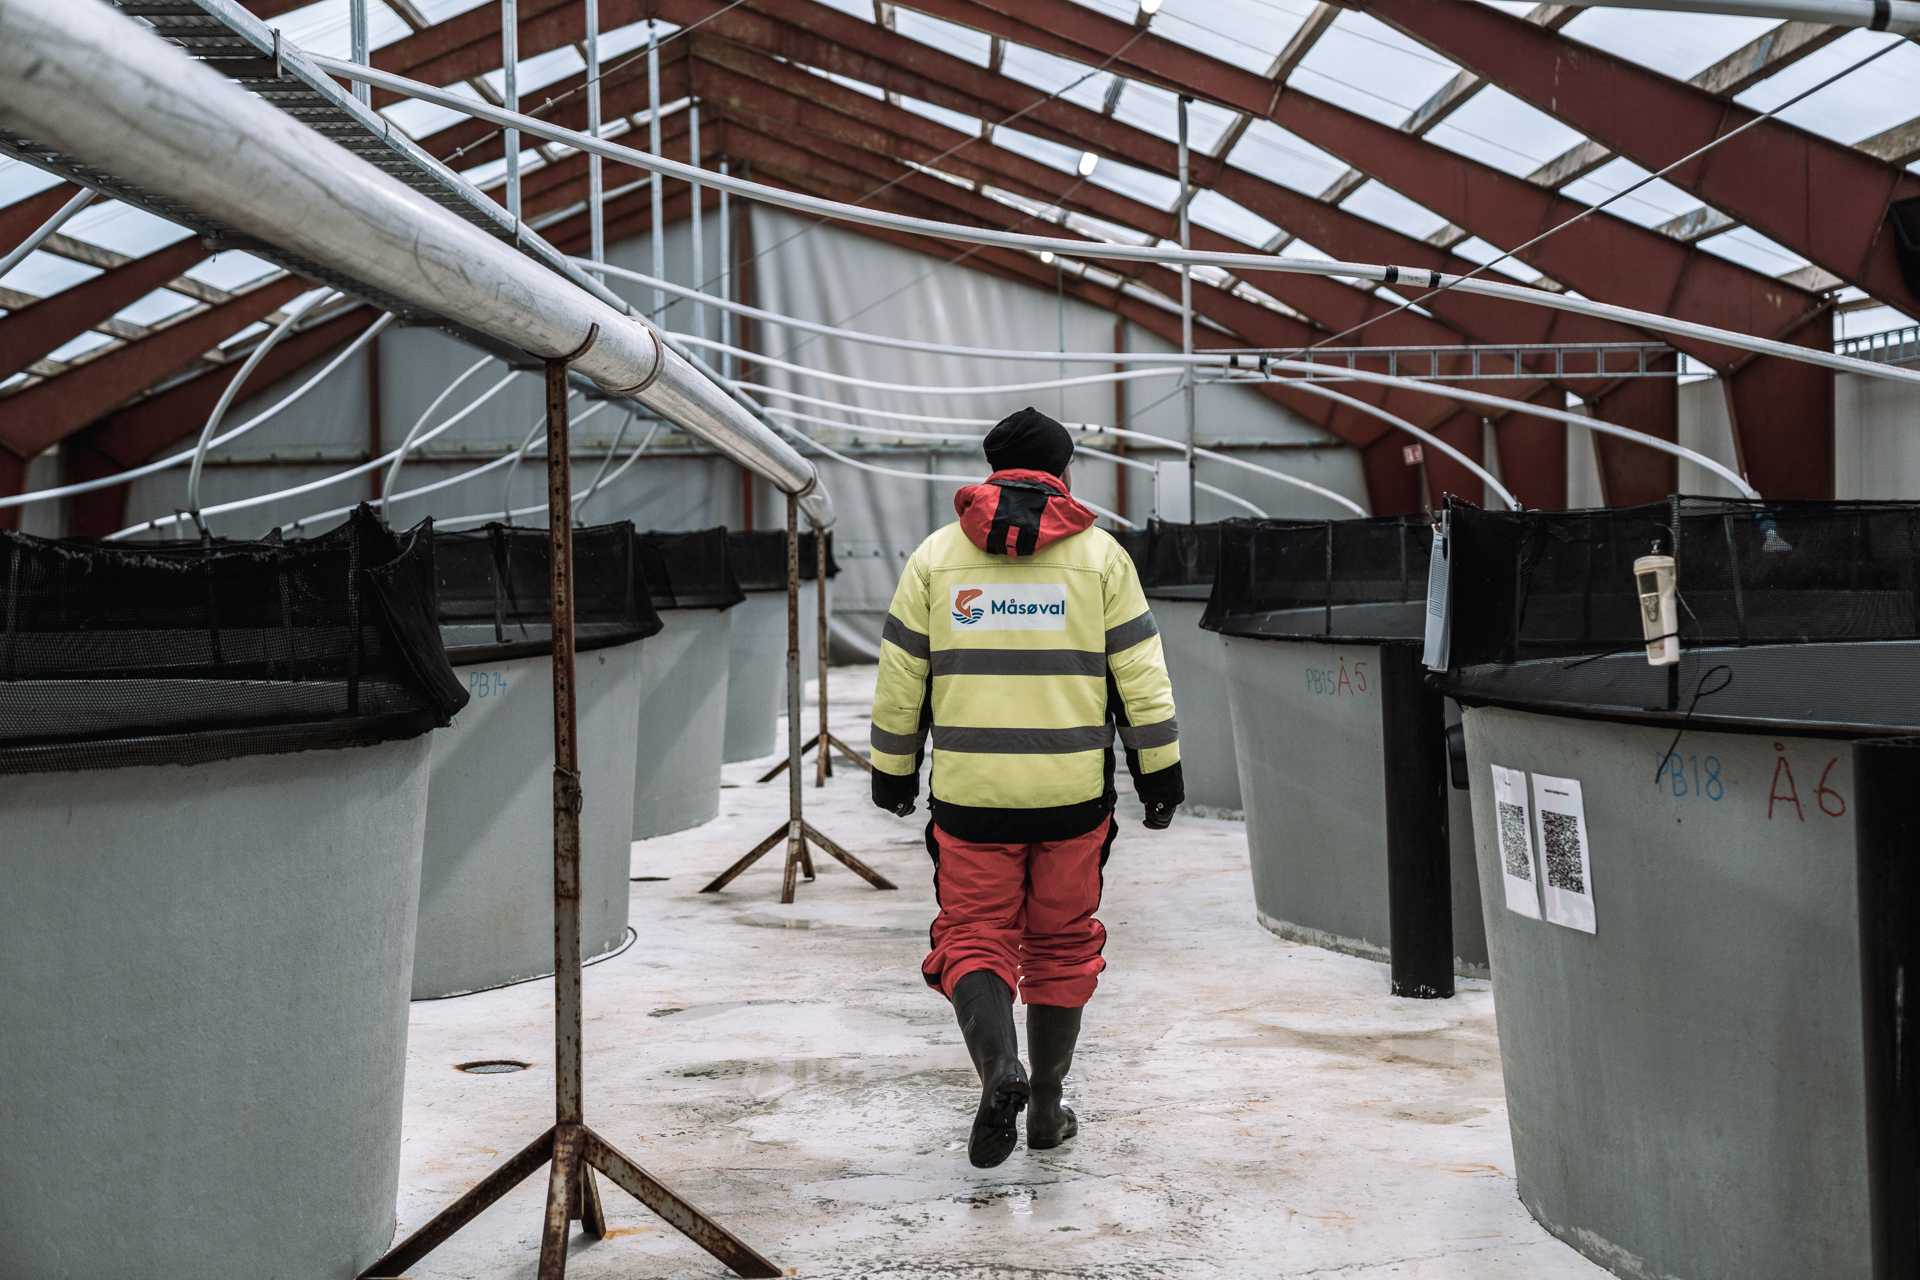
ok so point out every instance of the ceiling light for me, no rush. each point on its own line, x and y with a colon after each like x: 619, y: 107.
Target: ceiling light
x: 1046, y: 256
x: 1149, y: 7
x: 1087, y: 162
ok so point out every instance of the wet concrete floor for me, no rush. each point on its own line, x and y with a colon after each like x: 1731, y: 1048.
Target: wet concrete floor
x: 1248, y: 1106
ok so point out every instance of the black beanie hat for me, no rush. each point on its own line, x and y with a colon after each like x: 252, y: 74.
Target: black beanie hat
x: 1029, y: 441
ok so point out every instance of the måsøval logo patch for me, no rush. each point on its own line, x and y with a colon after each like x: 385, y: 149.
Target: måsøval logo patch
x: 1024, y: 606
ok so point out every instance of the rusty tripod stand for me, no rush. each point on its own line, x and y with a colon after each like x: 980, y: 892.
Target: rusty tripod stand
x: 572, y: 1149
x: 796, y: 830
x: 824, y: 740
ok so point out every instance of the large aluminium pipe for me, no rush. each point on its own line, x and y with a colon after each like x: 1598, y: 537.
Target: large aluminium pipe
x: 77, y: 76
x: 1901, y: 17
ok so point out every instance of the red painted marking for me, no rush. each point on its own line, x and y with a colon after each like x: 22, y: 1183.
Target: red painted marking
x: 1781, y: 766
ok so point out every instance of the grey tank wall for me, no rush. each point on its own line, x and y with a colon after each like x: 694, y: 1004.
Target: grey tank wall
x: 205, y: 1014
x: 1684, y: 1085
x: 1307, y: 740
x: 486, y: 880
x: 757, y: 667
x: 1197, y: 665
x: 683, y: 721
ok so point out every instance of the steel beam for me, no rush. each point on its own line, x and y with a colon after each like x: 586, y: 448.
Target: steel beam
x: 50, y: 411
x: 1821, y: 199
x: 32, y: 332
x: 24, y: 217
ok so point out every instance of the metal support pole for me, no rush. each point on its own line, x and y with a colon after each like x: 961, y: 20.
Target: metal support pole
x: 596, y: 187
x: 566, y: 756
x: 1413, y: 732
x: 796, y: 842
x: 699, y: 274
x: 570, y: 1149
x: 657, y: 186
x: 796, y: 831
x: 823, y: 762
x: 1186, y: 314
x: 510, y: 91
x: 1886, y: 841
x: 726, y: 275
x: 357, y: 38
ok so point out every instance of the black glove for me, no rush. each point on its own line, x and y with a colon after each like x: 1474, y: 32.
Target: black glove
x: 1159, y: 817
x: 896, y: 792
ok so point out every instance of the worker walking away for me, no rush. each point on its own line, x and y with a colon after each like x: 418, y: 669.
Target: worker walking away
x: 1020, y: 640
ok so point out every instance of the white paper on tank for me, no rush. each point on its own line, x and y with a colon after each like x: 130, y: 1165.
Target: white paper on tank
x: 1568, y: 871
x: 1514, y: 834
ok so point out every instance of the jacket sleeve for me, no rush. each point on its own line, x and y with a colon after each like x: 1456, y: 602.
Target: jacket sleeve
x: 1138, y: 671
x: 902, y: 710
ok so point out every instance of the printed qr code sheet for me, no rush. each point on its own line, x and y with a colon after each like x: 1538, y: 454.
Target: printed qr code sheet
x: 1513, y: 829
x: 1514, y: 853
x: 1565, y: 851
x: 1560, y: 842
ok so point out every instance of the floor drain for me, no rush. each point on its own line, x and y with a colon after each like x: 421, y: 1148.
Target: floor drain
x: 492, y: 1067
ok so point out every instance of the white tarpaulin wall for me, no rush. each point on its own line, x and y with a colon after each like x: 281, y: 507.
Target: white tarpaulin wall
x: 819, y: 273
x: 839, y: 277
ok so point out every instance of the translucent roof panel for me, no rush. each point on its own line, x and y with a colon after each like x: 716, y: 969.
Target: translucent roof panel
x: 1391, y: 209
x: 1074, y: 82
x: 1279, y: 156
x: 1681, y: 45
x: 18, y: 180
x: 231, y: 270
x: 43, y: 274
x: 1749, y: 248
x: 1157, y: 111
x: 1880, y: 95
x: 1211, y: 209
x: 1657, y: 202
x: 1248, y: 33
x: 962, y: 42
x: 159, y: 305
x: 1364, y: 65
x: 1498, y: 129
x: 124, y: 229
x: 951, y: 119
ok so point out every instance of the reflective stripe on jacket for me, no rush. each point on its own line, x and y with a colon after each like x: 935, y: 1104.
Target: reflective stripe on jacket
x: 1030, y: 662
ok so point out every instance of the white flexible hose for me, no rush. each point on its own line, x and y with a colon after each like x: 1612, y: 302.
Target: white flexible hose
x: 152, y: 468
x: 400, y: 455
x: 232, y: 389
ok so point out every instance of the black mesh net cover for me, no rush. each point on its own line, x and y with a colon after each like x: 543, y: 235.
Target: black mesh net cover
x: 1176, y: 561
x: 1792, y: 613
x: 496, y: 592
x: 1362, y: 579
x: 760, y: 558
x: 689, y: 569
x: 120, y: 654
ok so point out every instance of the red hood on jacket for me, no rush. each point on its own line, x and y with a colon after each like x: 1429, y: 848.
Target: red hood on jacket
x: 1015, y: 513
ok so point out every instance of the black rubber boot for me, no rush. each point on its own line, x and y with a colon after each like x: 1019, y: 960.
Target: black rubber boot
x: 1051, y: 1034
x: 984, y: 1007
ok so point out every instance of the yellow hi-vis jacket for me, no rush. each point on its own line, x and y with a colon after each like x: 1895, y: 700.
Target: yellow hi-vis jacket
x: 1022, y: 669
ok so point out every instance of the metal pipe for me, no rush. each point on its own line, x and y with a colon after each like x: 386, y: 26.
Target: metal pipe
x: 658, y: 186
x: 726, y: 275
x: 1900, y: 17
x: 357, y: 38
x: 1186, y: 306
x: 510, y: 91
x: 596, y: 188
x: 566, y: 763
x: 795, y: 836
x: 821, y: 766
x: 1414, y: 277
x: 76, y: 75
x: 699, y: 273
x: 18, y: 254
x: 232, y: 389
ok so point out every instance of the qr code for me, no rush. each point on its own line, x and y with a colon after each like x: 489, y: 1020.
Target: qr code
x: 1514, y: 849
x: 1560, y: 837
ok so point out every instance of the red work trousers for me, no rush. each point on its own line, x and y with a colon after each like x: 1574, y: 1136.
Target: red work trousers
x: 1022, y: 911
